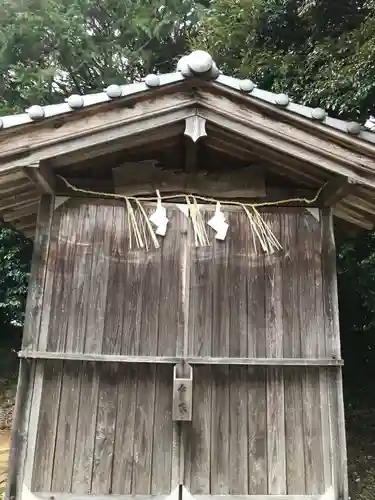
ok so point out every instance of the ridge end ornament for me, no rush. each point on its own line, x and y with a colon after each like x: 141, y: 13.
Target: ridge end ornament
x: 195, y: 127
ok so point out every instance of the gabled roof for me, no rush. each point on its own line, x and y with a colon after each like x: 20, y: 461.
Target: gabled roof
x: 305, y: 143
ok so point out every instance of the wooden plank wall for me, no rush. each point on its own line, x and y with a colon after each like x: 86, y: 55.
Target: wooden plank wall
x: 255, y: 430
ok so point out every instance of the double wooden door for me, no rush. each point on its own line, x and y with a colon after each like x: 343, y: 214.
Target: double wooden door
x: 260, y: 425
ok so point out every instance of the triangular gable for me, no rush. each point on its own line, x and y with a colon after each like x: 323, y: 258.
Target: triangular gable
x: 234, y: 112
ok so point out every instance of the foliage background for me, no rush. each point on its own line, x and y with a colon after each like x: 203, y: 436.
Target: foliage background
x: 320, y: 52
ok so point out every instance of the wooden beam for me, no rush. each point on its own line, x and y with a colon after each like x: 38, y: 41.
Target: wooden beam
x: 144, y: 177
x: 195, y: 360
x: 191, y: 155
x: 76, y: 496
x: 42, y: 176
x: 19, y: 200
x: 335, y: 190
x: 24, y: 211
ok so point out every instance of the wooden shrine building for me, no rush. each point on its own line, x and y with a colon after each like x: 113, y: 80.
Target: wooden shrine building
x: 181, y: 335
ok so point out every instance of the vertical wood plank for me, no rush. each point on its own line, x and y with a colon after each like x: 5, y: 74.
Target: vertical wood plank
x: 105, y: 430
x: 295, y: 461
x: 322, y: 348
x: 162, y: 439
x: 38, y: 273
x: 111, y: 319
x: 256, y: 383
x: 171, y: 315
x: 257, y: 431
x: 125, y: 432
x: 49, y: 289
x: 114, y: 310
x: 200, y: 295
x: 127, y: 375
x: 143, y: 431
x: 275, y: 382
x: 308, y: 233
x: 256, y: 301
x: 66, y: 428
x: 80, y: 303
x: 199, y: 436
x: 85, y: 439
x: 46, y: 436
x: 22, y: 434
x: 238, y: 276
x: 99, y: 279
x: 220, y: 306
x: 133, y: 298
x: 332, y: 334
x: 238, y: 439
x: 63, y: 278
x: 220, y: 462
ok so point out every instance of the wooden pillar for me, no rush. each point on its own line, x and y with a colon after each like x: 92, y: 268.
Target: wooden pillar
x: 332, y: 335
x: 17, y: 474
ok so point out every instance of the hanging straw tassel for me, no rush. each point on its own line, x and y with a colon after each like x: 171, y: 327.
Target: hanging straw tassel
x: 200, y: 234
x: 262, y: 231
x: 133, y: 225
x: 148, y: 224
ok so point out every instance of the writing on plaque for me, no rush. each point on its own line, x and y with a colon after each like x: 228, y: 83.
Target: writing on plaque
x: 182, y: 394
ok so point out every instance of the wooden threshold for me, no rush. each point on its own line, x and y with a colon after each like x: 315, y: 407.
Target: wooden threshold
x: 73, y: 496
x: 194, y: 360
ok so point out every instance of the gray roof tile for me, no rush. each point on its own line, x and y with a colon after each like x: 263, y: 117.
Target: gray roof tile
x: 197, y: 63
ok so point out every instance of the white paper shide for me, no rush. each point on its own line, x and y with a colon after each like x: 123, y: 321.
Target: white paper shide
x: 159, y: 218
x: 219, y: 224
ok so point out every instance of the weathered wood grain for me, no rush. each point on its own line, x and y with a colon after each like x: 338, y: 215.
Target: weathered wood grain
x: 294, y: 438
x: 99, y: 279
x: 63, y: 279
x: 49, y: 281
x: 275, y: 382
x: 220, y: 460
x: 162, y: 439
x: 143, y: 431
x: 171, y: 316
x: 256, y: 302
x: 332, y: 329
x: 200, y: 295
x: 195, y: 360
x: 86, y: 425
x: 105, y: 430
x: 66, y: 432
x: 38, y: 273
x: 257, y: 431
x: 200, y: 433
x: 22, y: 434
x: 144, y: 177
x: 151, y: 281
x: 238, y: 431
x: 125, y: 431
x: 311, y: 335
x: 111, y: 344
x: 133, y: 295
x: 220, y: 305
x: 47, y: 426
x: 322, y: 350
x: 64, y: 496
x: 273, y: 291
x: 238, y: 244
x: 80, y: 299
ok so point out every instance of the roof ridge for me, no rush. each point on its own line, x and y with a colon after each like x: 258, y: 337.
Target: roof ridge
x: 197, y: 64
